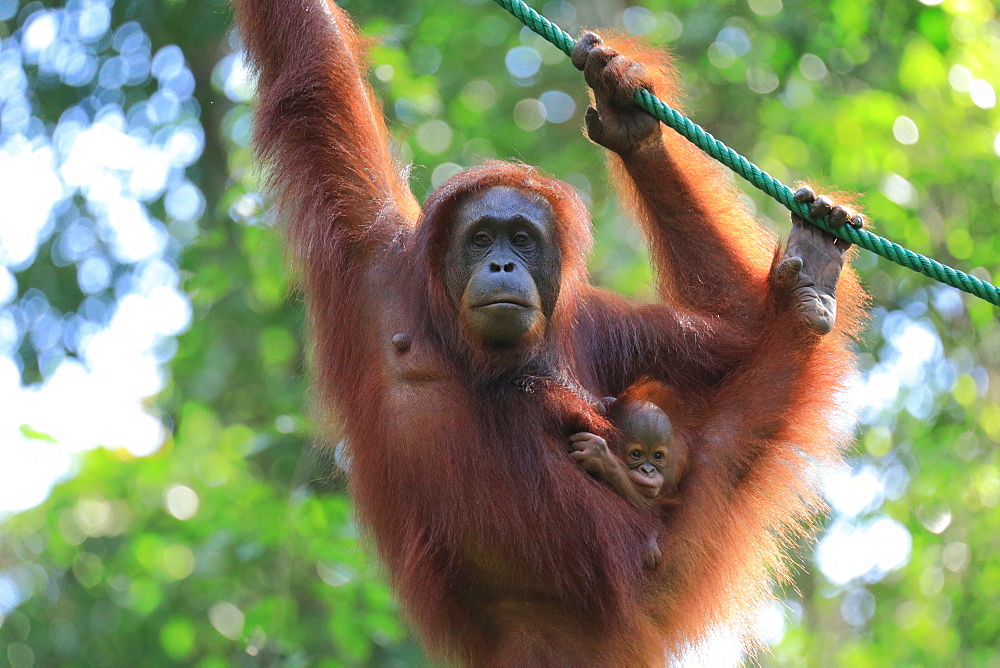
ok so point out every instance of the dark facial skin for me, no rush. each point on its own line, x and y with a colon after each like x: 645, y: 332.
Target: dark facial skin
x: 645, y: 462
x: 502, y: 266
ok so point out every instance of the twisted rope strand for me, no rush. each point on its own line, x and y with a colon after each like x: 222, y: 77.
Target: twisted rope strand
x: 761, y: 179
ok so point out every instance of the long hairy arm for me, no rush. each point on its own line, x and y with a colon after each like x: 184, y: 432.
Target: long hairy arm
x: 323, y: 138
x: 759, y: 446
x: 711, y: 256
x: 621, y: 343
x: 320, y: 130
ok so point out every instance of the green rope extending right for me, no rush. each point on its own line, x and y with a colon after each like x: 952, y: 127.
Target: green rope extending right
x: 761, y: 179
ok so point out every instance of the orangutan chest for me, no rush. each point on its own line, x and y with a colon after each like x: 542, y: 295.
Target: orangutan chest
x: 409, y: 359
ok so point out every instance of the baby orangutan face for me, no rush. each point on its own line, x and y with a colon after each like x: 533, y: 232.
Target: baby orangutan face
x: 649, y: 450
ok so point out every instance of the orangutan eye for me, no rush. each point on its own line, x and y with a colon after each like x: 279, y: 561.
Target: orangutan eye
x: 521, y: 239
x: 657, y: 456
x: 635, y: 454
x: 482, y: 239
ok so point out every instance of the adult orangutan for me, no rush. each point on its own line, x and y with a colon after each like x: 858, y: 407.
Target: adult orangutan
x: 459, y: 346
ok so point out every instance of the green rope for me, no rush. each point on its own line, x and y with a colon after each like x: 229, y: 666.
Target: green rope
x: 761, y: 179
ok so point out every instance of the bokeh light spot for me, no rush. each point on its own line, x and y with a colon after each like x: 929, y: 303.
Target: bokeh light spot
x: 559, y: 107
x: 960, y: 78
x: 899, y: 190
x: 761, y: 79
x: 982, y: 94
x: 523, y: 61
x: 443, y: 172
x: 178, y: 561
x: 905, y: 130
x: 479, y: 95
x: 7, y: 9
x: 765, y: 7
x: 639, y: 20
x: 434, y: 136
x: 181, y: 501
x: 812, y: 67
x: 529, y: 114
x: 227, y: 619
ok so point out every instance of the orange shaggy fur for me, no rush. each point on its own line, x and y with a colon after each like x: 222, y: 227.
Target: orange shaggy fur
x: 502, y: 551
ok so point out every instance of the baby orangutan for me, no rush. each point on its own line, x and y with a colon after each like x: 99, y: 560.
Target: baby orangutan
x: 649, y: 464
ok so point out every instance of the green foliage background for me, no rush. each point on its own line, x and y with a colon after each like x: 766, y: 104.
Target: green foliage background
x: 269, y: 569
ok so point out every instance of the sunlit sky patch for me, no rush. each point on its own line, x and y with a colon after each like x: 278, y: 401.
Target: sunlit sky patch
x: 100, y: 363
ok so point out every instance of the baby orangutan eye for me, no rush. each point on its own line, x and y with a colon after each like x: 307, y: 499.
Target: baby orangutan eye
x: 657, y: 456
x: 635, y: 454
